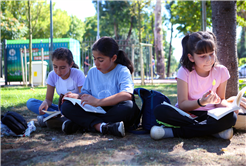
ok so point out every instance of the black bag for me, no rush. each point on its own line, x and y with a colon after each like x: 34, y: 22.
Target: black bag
x: 150, y: 99
x: 15, y: 122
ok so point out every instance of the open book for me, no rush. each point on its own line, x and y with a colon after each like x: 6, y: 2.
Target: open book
x: 180, y: 111
x: 86, y: 107
x: 218, y: 113
x: 51, y: 114
x: 54, y: 113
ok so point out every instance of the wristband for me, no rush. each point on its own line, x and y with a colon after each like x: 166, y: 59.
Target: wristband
x: 198, y: 102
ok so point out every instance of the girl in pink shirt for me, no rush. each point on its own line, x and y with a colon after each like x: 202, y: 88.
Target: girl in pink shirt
x: 196, y: 93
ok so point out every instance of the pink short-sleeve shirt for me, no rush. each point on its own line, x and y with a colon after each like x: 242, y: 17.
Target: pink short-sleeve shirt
x: 198, y: 85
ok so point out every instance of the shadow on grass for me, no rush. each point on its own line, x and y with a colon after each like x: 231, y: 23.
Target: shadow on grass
x: 52, y: 147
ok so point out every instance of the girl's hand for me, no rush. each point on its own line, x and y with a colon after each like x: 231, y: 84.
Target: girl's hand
x: 237, y: 111
x: 43, y: 106
x: 71, y: 95
x: 89, y: 99
x: 210, y: 98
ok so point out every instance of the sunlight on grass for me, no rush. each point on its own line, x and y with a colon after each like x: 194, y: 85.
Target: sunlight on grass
x: 18, y: 96
x: 169, y: 90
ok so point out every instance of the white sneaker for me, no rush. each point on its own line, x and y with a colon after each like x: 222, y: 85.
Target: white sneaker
x: 40, y: 119
x: 226, y: 134
x: 157, y: 132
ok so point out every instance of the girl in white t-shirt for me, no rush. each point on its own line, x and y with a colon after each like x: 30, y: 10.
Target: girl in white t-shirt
x: 66, y: 77
x: 196, y: 93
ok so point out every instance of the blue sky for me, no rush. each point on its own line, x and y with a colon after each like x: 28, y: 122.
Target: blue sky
x: 85, y: 8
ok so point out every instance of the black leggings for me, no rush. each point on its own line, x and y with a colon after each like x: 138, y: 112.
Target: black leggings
x: 125, y: 111
x: 187, y: 128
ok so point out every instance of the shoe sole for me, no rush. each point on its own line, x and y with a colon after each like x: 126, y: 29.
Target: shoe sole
x: 55, y: 123
x: 40, y: 122
x: 63, y: 126
x: 157, y: 132
x: 227, y: 135
x: 121, y: 129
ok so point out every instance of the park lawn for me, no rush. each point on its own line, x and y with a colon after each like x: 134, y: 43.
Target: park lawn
x: 14, y: 97
x: 52, y: 147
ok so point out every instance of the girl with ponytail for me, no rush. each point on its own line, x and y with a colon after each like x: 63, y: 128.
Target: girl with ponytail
x: 201, y: 86
x: 109, y: 85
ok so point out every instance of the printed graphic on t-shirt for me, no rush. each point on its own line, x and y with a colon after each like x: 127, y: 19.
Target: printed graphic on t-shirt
x: 105, y: 90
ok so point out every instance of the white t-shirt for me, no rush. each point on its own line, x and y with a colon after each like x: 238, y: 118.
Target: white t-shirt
x: 71, y: 84
x: 102, y: 85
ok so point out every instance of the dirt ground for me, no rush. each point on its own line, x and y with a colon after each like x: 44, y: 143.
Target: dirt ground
x: 53, y: 147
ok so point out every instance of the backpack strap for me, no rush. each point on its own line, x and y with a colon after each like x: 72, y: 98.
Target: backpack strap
x: 140, y: 92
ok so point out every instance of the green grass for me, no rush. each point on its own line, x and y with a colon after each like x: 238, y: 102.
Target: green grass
x: 18, y: 96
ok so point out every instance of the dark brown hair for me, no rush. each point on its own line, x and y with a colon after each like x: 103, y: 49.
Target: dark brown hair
x: 197, y: 42
x: 108, y: 47
x: 64, y: 54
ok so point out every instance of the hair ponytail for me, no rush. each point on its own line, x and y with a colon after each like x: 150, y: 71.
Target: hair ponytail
x: 124, y: 60
x: 184, y: 61
x: 109, y: 47
x: 197, y: 43
x: 75, y: 65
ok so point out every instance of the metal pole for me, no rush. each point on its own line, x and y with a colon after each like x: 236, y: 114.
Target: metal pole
x: 204, y: 24
x: 151, y: 66
x: 133, y: 60
x: 51, y: 37
x: 42, y: 68
x: 30, y: 46
x: 22, y: 67
x: 98, y: 36
x: 141, y: 64
x: 5, y: 62
x: 25, y: 65
x: 1, y: 51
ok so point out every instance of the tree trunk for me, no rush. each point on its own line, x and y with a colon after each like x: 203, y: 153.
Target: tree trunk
x: 116, y: 30
x: 158, y: 41
x: 242, y: 50
x: 170, y: 52
x: 224, y: 28
x: 130, y: 30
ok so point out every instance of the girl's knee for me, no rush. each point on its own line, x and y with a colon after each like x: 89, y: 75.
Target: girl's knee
x: 66, y: 107
x: 161, y: 110
x: 30, y: 102
x: 234, y: 119
x: 227, y: 121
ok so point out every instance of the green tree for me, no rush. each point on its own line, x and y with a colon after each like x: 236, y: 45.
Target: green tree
x: 76, y: 29
x: 11, y: 28
x: 40, y: 12
x: 61, y: 23
x: 241, y: 13
x: 187, y: 15
x: 168, y: 7
x: 241, y: 20
x: 91, y: 27
x: 116, y: 17
x: 241, y: 46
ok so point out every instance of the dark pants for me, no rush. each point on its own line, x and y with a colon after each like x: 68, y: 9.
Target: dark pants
x: 125, y: 111
x: 187, y: 128
x: 86, y: 69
